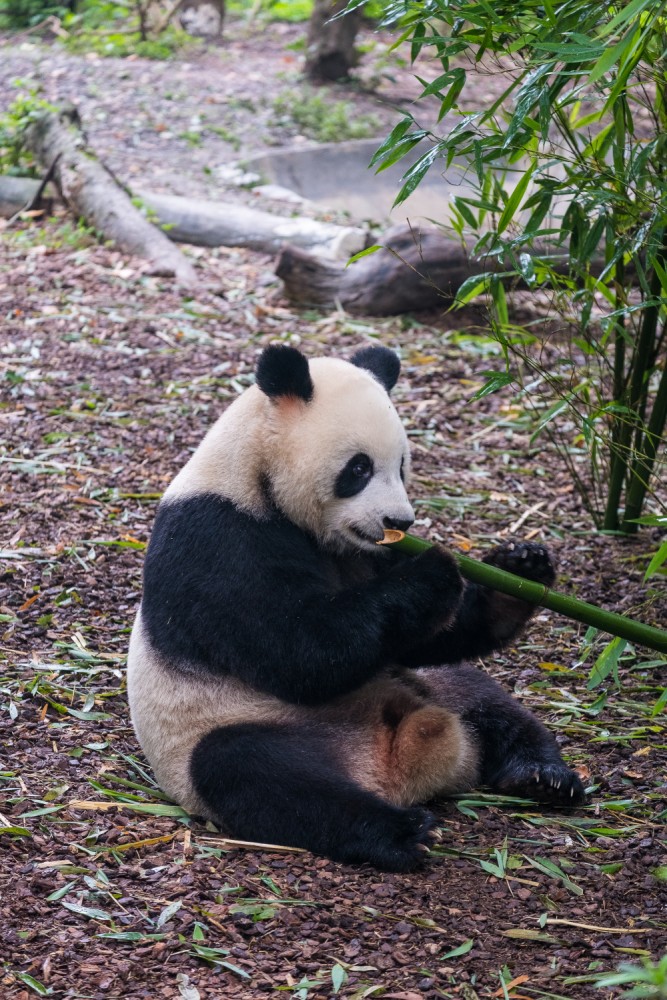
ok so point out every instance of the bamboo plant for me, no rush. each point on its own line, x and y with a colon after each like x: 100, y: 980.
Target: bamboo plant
x: 571, y: 154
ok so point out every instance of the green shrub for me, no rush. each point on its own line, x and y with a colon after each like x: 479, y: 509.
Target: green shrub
x: 23, y: 110
x: 16, y: 14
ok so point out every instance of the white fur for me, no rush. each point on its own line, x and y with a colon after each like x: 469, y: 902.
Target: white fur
x: 300, y: 448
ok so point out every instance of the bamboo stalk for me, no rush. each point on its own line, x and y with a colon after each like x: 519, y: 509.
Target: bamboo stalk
x: 537, y: 593
x: 642, y: 468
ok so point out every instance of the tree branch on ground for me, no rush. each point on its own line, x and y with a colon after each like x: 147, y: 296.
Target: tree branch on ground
x: 92, y: 193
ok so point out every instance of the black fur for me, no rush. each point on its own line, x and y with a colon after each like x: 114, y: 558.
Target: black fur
x: 283, y: 371
x: 380, y: 362
x: 280, y: 785
x: 354, y: 476
x: 210, y: 570
x: 486, y: 619
x: 519, y: 756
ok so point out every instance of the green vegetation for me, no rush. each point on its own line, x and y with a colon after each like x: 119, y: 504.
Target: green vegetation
x: 274, y: 10
x: 566, y: 160
x: 24, y: 109
x: 26, y: 13
x: 647, y: 981
x: 315, y: 115
x: 108, y: 27
x: 117, y: 28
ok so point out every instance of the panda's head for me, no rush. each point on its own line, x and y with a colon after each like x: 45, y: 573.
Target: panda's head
x: 336, y: 456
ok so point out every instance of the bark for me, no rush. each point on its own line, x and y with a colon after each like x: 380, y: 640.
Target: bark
x: 91, y: 192
x: 330, y: 52
x: 212, y: 224
x: 416, y: 269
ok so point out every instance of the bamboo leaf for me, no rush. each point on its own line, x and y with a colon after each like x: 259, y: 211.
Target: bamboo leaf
x: 471, y: 288
x: 607, y: 663
x: 494, y: 382
x: 364, y: 253
x: 168, y: 912
x: 514, y: 200
x: 91, y: 912
x: 462, y: 949
x: 394, y: 137
x: 338, y: 977
x: 656, y: 562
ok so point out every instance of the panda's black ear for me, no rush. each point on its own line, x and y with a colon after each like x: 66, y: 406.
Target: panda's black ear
x: 283, y: 371
x: 380, y: 362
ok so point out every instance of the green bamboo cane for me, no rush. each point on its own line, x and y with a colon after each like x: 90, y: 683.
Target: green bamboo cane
x: 537, y: 593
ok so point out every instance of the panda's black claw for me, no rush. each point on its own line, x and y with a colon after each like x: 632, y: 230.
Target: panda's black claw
x: 526, y: 559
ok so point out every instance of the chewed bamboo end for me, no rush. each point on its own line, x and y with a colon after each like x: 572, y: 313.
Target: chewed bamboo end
x: 391, y: 535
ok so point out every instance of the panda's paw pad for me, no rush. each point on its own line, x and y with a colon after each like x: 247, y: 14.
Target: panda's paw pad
x: 407, y: 839
x: 527, y: 559
x: 551, y: 784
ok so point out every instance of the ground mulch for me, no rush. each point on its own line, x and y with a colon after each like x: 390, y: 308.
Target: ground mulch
x: 109, y: 378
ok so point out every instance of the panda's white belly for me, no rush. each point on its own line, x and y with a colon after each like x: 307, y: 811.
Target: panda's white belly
x: 171, y: 712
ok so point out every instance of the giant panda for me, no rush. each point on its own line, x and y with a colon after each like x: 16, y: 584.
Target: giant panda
x: 291, y: 680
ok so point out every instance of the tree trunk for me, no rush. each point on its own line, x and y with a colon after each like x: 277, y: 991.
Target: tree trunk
x: 92, y: 193
x: 330, y: 52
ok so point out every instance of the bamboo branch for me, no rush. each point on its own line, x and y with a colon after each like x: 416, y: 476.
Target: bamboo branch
x: 537, y: 593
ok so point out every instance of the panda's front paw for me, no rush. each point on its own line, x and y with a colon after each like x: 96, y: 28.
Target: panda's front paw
x: 432, y: 590
x: 405, y: 840
x: 526, y: 559
x: 552, y: 784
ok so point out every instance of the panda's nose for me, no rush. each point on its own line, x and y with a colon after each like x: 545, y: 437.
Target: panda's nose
x: 400, y: 524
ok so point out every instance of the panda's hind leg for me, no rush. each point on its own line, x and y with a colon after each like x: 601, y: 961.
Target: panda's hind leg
x: 518, y: 754
x: 276, y: 783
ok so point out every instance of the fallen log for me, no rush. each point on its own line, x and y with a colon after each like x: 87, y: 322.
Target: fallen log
x: 416, y: 268
x: 212, y: 224
x: 215, y: 223
x: 91, y: 192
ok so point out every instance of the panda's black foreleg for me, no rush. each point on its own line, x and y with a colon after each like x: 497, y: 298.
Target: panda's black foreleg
x: 280, y: 784
x: 518, y: 755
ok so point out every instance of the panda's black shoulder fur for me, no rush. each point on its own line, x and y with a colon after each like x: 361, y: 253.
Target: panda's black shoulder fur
x: 258, y: 599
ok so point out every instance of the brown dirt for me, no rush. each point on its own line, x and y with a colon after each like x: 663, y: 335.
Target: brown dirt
x: 109, y: 379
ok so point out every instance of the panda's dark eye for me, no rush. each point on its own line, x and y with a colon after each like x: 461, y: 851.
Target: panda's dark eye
x: 355, y: 474
x: 362, y: 466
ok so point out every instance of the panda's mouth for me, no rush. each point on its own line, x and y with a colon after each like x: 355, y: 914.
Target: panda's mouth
x: 365, y: 537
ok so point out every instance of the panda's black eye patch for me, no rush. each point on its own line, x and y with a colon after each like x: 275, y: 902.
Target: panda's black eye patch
x: 355, y: 474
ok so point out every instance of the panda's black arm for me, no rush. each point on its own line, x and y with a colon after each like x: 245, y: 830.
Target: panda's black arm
x: 486, y: 620
x: 257, y: 600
